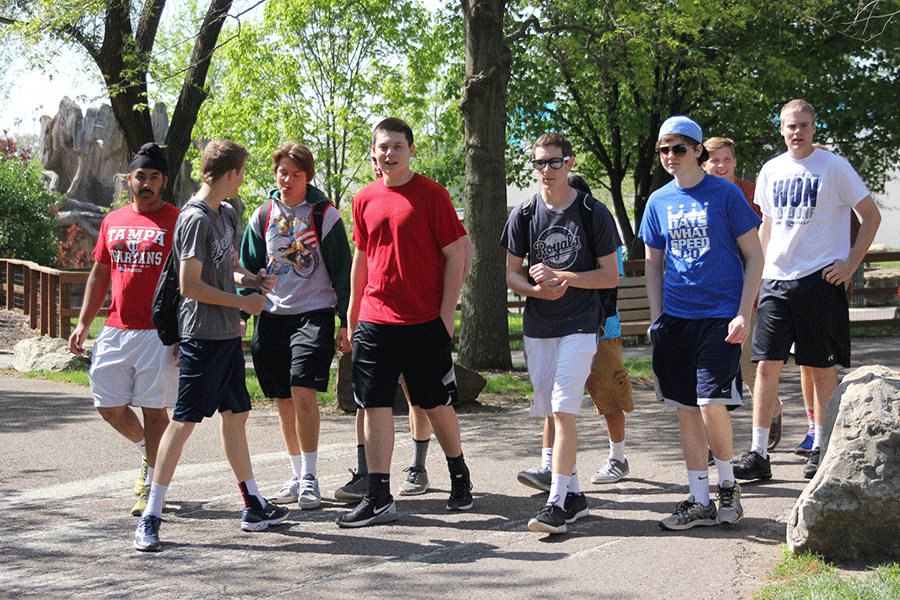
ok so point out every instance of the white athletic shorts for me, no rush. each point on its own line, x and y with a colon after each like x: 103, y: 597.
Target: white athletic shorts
x: 558, y: 369
x: 133, y: 367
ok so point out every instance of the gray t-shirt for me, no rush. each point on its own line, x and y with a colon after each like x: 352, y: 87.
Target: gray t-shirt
x: 557, y: 239
x: 210, y: 237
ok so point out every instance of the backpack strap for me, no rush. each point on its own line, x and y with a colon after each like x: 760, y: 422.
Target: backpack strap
x: 318, y: 217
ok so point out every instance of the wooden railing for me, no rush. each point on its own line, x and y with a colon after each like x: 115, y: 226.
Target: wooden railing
x: 46, y: 296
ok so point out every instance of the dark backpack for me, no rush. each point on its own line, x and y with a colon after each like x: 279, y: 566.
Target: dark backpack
x: 166, y: 300
x: 586, y: 204
x: 318, y: 216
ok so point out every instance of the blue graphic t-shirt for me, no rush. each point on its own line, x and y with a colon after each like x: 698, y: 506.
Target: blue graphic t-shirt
x: 698, y: 228
x: 558, y: 240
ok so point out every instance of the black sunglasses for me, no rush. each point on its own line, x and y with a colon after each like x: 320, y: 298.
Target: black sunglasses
x: 677, y: 150
x: 555, y: 163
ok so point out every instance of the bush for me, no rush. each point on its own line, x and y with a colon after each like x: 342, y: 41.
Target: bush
x: 27, y: 214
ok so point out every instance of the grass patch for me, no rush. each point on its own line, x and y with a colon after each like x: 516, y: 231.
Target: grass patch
x: 809, y: 576
x: 76, y: 377
x: 510, y: 383
x: 882, y: 331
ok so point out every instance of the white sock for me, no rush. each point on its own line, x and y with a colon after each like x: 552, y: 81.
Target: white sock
x: 617, y: 450
x: 698, y: 482
x: 546, y: 458
x: 308, y: 466
x: 760, y: 441
x: 817, y: 442
x: 156, y: 499
x: 252, y: 490
x: 725, y: 469
x: 574, y: 487
x: 296, y: 464
x: 149, y: 479
x: 142, y: 448
x: 559, y: 487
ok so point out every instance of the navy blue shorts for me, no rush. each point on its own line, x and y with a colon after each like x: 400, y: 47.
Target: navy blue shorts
x: 421, y: 352
x: 693, y: 365
x: 212, y: 378
x: 809, y: 313
x: 293, y: 351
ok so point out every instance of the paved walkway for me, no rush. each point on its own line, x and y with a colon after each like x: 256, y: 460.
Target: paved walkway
x: 65, y: 482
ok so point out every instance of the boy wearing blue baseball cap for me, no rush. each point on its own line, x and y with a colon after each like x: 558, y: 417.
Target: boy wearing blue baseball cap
x: 695, y: 229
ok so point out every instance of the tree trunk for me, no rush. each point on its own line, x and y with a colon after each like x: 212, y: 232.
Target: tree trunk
x: 484, y: 331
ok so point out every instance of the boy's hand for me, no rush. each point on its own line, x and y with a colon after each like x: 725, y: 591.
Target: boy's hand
x: 551, y: 289
x: 266, y: 282
x: 254, y: 303
x: 737, y: 331
x: 541, y: 273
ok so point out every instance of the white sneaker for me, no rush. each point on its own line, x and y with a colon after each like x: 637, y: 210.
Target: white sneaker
x: 288, y: 492
x: 611, y: 471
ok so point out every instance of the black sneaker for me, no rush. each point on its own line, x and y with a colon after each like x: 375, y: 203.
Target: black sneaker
x: 257, y: 519
x: 575, y: 507
x: 460, y: 492
x: 753, y: 466
x: 812, y: 463
x: 146, y: 536
x: 368, y: 514
x: 551, y: 519
x: 774, y: 432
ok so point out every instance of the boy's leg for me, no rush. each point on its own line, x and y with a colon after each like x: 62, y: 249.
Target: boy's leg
x: 809, y: 394
x: 445, y: 424
x: 287, y: 418
x: 234, y: 442
x: 416, y: 481
x: 358, y: 486
x: 824, y: 382
x: 308, y: 423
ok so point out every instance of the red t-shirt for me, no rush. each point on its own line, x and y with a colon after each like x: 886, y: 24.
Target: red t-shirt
x: 135, y: 245
x: 402, y: 230
x: 749, y: 190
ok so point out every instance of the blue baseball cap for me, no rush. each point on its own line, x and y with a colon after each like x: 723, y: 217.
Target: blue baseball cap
x: 681, y: 125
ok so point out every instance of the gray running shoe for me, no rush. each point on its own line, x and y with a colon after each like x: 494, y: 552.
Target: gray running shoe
x: 355, y: 489
x: 288, y: 492
x: 368, y: 514
x: 416, y: 481
x: 309, y: 496
x: 689, y: 513
x: 257, y: 519
x: 538, y: 479
x: 550, y: 519
x: 730, y: 509
x: 611, y: 471
x: 146, y: 536
x: 812, y: 463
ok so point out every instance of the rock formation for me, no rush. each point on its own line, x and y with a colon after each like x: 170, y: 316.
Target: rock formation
x: 851, y: 508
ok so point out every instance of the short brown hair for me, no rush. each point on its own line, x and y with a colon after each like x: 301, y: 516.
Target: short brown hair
x: 554, y: 139
x: 219, y: 157
x: 395, y: 125
x: 798, y: 106
x: 297, y: 152
x: 714, y: 143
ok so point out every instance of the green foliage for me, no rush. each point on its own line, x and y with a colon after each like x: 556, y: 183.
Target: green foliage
x: 27, y: 215
x: 809, y: 576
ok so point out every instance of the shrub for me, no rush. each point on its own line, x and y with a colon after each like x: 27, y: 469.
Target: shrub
x: 27, y: 214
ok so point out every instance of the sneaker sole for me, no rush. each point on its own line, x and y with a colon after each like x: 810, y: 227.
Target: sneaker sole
x: 599, y: 480
x: 413, y: 491
x: 460, y: 507
x: 348, y: 496
x: 754, y: 476
x: 529, y: 481
x: 156, y: 547
x: 245, y: 526
x: 580, y: 514
x: 138, y: 509
x: 732, y: 521
x: 541, y: 527
x: 382, y: 518
x: 283, y: 499
x: 802, y: 452
x: 695, y: 523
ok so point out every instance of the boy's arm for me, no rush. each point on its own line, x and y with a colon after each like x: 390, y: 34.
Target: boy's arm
x: 455, y: 258
x: 193, y: 287
x: 549, y: 289
x: 751, y: 249
x: 94, y: 295
x: 842, y: 270
x: 359, y: 276
x: 606, y: 276
x: 654, y: 262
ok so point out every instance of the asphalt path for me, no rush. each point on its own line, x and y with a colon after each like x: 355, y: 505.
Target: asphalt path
x: 66, y: 531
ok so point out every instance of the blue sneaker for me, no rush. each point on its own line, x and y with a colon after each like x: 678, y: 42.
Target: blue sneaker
x: 805, y: 446
x: 257, y: 519
x: 146, y: 536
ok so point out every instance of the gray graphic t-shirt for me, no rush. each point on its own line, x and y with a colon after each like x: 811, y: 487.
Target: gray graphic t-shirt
x: 210, y: 237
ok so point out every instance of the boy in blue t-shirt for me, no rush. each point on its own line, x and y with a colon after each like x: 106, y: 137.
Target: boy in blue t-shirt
x: 695, y: 229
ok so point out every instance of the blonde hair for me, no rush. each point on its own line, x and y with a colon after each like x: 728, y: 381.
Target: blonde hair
x: 798, y: 106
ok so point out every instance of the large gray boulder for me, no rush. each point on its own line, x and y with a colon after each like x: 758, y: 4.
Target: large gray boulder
x: 48, y: 354
x: 851, y: 508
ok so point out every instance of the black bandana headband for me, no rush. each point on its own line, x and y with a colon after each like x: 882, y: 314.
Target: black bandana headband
x: 150, y: 156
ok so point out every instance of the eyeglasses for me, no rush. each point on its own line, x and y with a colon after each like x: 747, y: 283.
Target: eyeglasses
x: 555, y: 163
x: 677, y: 150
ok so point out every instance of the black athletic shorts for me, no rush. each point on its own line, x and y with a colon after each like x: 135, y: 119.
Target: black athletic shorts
x: 293, y: 351
x: 421, y: 353
x: 211, y: 377
x: 809, y: 313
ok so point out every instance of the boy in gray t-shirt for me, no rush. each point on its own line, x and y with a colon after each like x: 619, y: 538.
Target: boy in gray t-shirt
x: 211, y: 361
